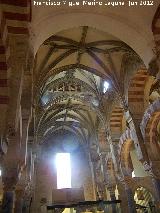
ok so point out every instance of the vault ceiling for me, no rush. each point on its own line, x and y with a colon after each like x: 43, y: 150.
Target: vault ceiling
x: 69, y: 73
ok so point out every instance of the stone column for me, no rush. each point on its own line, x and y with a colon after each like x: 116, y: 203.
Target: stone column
x: 19, y: 193
x: 154, y: 172
x: 113, y: 198
x: 95, y: 159
x: 101, y: 190
x: 134, y: 126
x: 25, y: 124
x: 93, y: 177
x: 27, y: 201
x: 9, y: 193
x: 156, y: 185
x: 130, y: 196
x: 123, y: 198
x: 10, y: 172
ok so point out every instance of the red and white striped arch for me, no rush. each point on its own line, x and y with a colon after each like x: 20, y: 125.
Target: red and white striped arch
x: 116, y: 121
x: 136, y: 91
x: 149, y: 125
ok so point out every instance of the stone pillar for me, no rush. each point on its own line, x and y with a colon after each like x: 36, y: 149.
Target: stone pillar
x: 19, y: 193
x: 25, y: 124
x: 134, y: 126
x: 43, y: 208
x: 96, y: 170
x: 10, y: 174
x: 8, y: 202
x: 154, y: 172
x: 130, y: 196
x: 27, y: 201
x: 113, y: 198
x: 8, y: 194
x: 156, y: 185
x: 123, y: 198
x: 93, y: 177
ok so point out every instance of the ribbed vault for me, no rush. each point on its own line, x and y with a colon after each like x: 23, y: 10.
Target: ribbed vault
x: 69, y: 74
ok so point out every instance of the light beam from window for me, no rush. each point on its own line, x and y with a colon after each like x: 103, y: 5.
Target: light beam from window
x: 63, y: 164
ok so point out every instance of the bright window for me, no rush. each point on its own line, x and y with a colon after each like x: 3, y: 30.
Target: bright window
x: 63, y: 164
x: 105, y: 86
x: 133, y: 174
